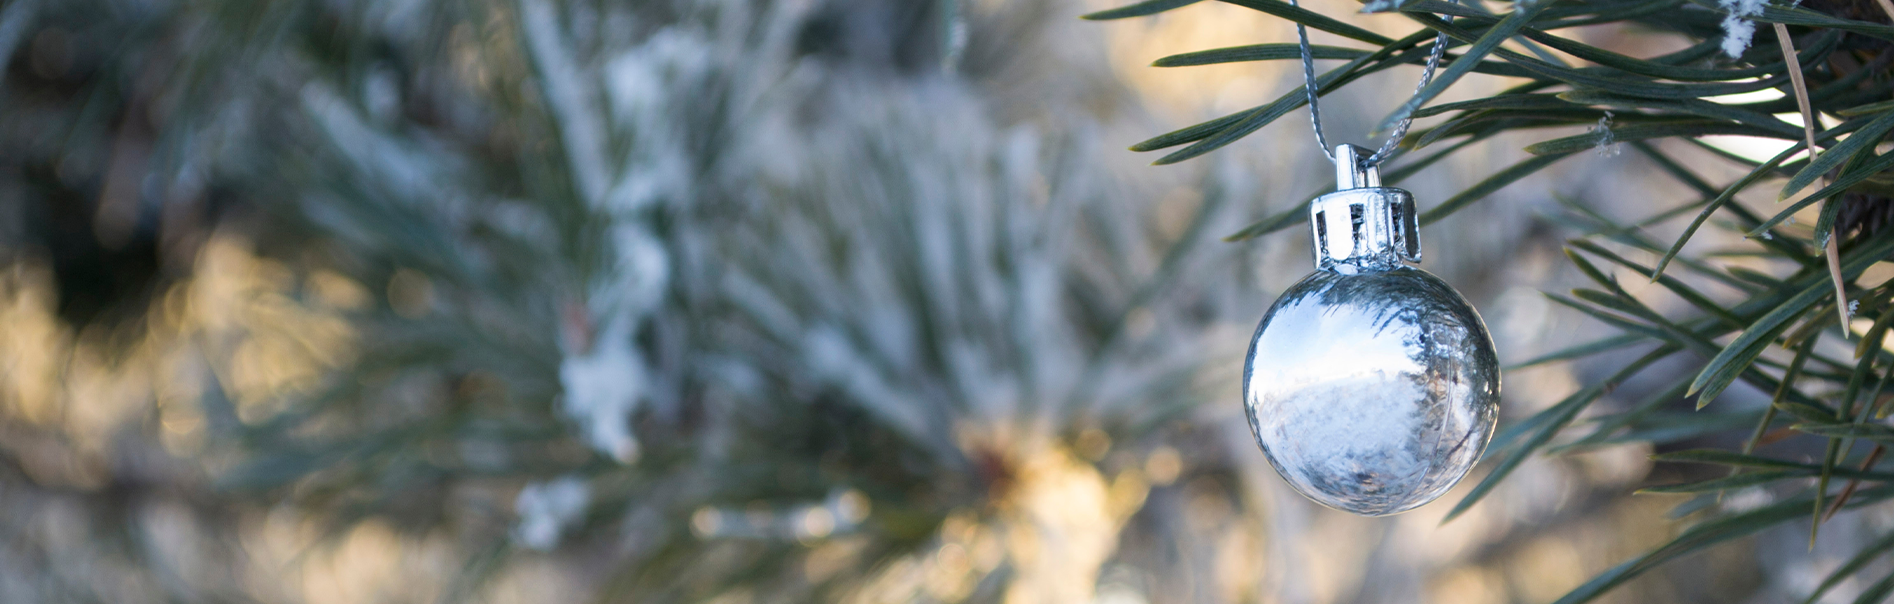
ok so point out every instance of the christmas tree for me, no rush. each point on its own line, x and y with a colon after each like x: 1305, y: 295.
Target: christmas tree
x: 863, y: 300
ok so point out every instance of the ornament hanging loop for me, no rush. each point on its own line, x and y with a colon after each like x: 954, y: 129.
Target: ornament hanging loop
x: 1352, y: 171
x: 1363, y: 226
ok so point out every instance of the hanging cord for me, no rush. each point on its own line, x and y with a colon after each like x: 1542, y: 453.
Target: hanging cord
x: 1315, y: 112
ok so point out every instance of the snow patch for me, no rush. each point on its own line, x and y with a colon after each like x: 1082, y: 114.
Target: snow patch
x: 1738, y: 30
x: 1607, y: 142
x: 1747, y: 499
x: 602, y: 389
x: 546, y: 509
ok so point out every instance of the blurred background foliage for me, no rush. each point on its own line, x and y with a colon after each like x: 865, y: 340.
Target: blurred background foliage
x: 852, y: 300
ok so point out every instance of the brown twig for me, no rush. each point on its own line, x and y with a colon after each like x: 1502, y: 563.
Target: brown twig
x: 1848, y: 491
x: 1832, y: 249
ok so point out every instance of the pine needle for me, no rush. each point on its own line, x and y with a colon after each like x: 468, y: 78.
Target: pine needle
x: 1831, y: 248
x: 1849, y: 491
x: 1762, y: 434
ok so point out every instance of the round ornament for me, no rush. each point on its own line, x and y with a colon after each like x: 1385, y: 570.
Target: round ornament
x: 1372, y: 386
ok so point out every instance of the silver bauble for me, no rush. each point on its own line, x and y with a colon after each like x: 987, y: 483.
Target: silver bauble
x: 1372, y: 393
x: 1371, y: 386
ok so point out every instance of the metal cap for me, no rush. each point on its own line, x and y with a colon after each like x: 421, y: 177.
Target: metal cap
x: 1363, y: 226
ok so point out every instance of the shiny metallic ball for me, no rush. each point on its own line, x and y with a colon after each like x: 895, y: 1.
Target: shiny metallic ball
x: 1372, y: 393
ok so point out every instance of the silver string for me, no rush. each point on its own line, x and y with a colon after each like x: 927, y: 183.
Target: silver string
x: 1315, y: 111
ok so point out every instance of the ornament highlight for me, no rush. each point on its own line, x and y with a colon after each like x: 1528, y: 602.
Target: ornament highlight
x: 1371, y: 386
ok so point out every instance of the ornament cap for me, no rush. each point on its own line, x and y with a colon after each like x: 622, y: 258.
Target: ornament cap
x: 1363, y: 226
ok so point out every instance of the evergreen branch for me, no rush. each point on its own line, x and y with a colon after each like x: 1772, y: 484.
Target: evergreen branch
x: 1663, y: 69
x: 1734, y: 481
x: 1861, y: 141
x: 1580, y: 351
x: 1696, y: 107
x: 1703, y: 535
x: 1607, y: 426
x: 1256, y: 52
x: 1522, y: 102
x: 1549, y: 422
x: 1723, y: 369
x: 1854, y: 564
x: 1646, y: 131
x: 1296, y: 213
x: 1294, y: 99
x: 1486, y: 44
x: 1796, y: 15
x: 1728, y: 194
x: 1492, y: 184
x: 1847, y: 179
